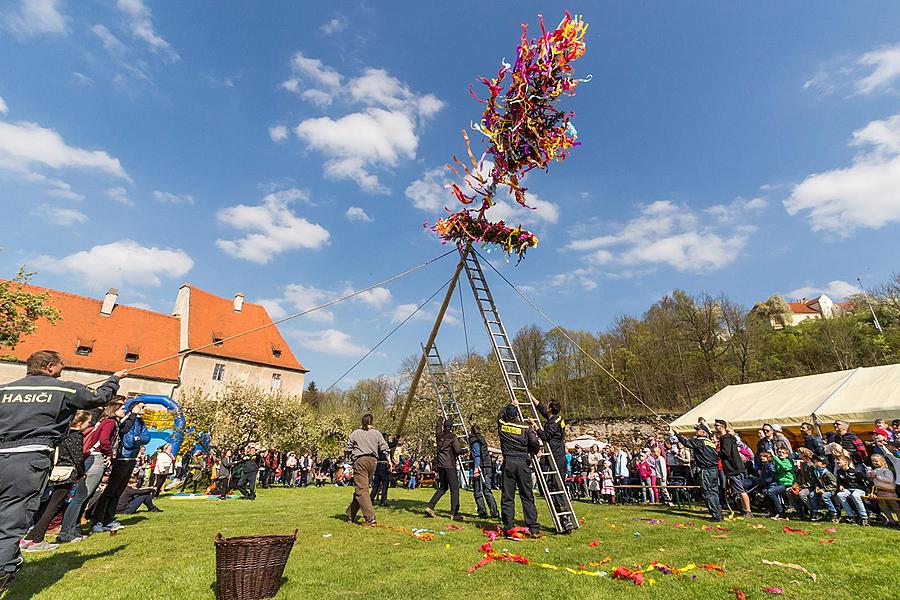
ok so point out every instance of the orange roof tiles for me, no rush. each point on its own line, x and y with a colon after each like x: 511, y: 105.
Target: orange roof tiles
x: 211, y: 316
x: 801, y: 308
x: 150, y: 334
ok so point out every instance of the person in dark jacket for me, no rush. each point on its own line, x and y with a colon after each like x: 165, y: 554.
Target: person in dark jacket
x: 852, y: 484
x: 70, y: 468
x: 382, y: 479
x: 812, y: 441
x: 133, y: 497
x: 481, y: 465
x: 554, y: 433
x: 518, y: 442
x: 249, y: 468
x: 706, y: 458
x: 35, y: 413
x: 133, y: 434
x: 850, y: 442
x: 733, y: 465
x: 445, y: 464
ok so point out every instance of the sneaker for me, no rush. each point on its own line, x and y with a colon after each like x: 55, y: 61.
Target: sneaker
x: 99, y: 528
x: 495, y: 516
x: 41, y: 547
x: 25, y: 543
x: 482, y: 515
x: 747, y: 515
x: 816, y: 517
x: 115, y: 526
x: 781, y: 517
x: 371, y: 523
x: 835, y: 519
x: 864, y: 522
x: 457, y: 518
x: 429, y: 512
x: 66, y: 539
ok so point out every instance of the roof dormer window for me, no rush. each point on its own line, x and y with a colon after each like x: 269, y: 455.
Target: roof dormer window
x: 84, y: 346
x: 132, y: 354
x: 276, y: 352
x: 217, y: 338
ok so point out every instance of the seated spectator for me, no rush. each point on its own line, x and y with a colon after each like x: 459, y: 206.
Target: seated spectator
x: 780, y: 478
x: 885, y: 487
x: 133, y: 497
x: 820, y: 485
x: 851, y: 482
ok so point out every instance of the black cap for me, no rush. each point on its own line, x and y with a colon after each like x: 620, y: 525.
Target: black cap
x: 448, y: 424
x: 511, y: 412
x: 721, y: 422
x: 703, y: 427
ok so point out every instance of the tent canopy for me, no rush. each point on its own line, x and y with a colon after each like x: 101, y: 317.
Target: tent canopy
x: 858, y: 396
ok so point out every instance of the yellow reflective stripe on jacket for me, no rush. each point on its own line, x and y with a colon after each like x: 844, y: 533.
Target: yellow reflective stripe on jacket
x: 510, y: 428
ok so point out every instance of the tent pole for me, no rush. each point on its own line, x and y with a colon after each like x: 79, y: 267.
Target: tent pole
x: 434, y: 331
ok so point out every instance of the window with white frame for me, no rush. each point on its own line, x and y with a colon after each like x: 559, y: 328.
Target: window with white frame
x: 218, y: 372
x: 276, y: 381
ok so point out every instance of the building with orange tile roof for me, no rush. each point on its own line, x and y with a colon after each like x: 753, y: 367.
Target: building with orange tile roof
x: 98, y: 337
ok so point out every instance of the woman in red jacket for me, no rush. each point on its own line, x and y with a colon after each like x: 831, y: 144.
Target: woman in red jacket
x: 99, y: 444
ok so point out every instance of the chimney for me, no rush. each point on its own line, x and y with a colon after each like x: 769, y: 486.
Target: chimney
x: 238, y: 302
x: 109, y: 302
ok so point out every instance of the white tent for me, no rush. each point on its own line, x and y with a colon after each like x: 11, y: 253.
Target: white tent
x: 858, y: 396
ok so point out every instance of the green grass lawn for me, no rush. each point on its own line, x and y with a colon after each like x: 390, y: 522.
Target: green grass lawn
x: 171, y: 555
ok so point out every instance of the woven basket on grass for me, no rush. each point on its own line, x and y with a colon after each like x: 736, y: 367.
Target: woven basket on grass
x: 250, y: 568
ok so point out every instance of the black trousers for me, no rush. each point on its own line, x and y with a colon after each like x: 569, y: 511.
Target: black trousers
x: 381, y: 482
x: 447, y: 479
x: 23, y: 476
x: 560, y: 461
x: 105, y: 510
x: 246, y: 485
x: 517, y: 475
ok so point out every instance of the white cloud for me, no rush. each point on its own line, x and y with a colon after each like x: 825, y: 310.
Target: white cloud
x: 863, y: 194
x: 3, y: 107
x: 430, y: 193
x: 402, y: 311
x: 119, y: 263
x: 169, y: 198
x: 140, y: 20
x: 36, y: 16
x: 669, y: 234
x: 297, y: 297
x: 131, y: 69
x: 278, y: 133
x: 24, y: 145
x: 335, y: 25
x: 273, y: 228
x: 874, y: 71
x: 885, y: 64
x: 54, y: 187
x: 357, y: 141
x: 110, y: 42
x: 82, y: 79
x: 376, y: 297
x: 355, y: 213
x: 379, y: 136
x: 120, y: 195
x: 331, y: 341
x: 60, y: 215
x: 836, y: 290
x: 317, y: 97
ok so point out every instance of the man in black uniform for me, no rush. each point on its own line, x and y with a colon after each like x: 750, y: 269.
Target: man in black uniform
x: 518, y: 442
x: 706, y: 457
x: 445, y: 463
x: 35, y: 413
x: 481, y: 475
x: 554, y: 433
x: 382, y: 479
x: 249, y: 469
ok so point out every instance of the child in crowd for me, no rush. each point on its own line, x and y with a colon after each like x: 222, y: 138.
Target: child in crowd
x: 885, y: 487
x: 851, y: 489
x: 645, y: 472
x: 594, y: 484
x: 784, y: 479
x: 412, y: 480
x: 608, y: 491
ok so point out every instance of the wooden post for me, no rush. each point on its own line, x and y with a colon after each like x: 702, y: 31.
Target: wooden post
x: 434, y: 331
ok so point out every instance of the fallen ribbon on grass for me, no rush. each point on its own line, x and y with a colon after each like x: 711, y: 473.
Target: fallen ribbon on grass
x: 452, y: 527
x: 776, y: 563
x: 739, y: 595
x: 830, y: 530
x: 776, y: 591
x: 593, y: 544
x: 827, y: 541
x: 787, y: 529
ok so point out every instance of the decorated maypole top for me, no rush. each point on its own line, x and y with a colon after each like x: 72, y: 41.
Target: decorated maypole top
x: 523, y: 130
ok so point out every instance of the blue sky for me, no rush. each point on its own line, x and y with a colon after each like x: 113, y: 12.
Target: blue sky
x: 292, y: 151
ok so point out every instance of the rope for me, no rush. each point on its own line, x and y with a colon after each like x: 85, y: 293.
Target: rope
x: 385, y: 338
x: 567, y: 336
x: 287, y: 318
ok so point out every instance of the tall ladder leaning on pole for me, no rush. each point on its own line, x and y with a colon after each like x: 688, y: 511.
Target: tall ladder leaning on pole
x: 550, y: 479
x: 443, y: 389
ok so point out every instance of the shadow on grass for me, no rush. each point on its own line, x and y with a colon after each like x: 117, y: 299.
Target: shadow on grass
x: 214, y: 586
x: 132, y: 519
x: 36, y: 577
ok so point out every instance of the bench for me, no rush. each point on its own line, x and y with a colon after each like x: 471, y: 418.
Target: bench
x: 681, y: 497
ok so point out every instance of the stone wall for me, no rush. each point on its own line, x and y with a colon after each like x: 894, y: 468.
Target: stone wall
x: 620, y: 430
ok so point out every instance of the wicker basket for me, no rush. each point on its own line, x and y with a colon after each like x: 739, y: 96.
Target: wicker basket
x: 250, y: 568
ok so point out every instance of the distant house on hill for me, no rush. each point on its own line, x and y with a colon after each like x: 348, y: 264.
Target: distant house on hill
x: 822, y: 307
x: 98, y: 337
